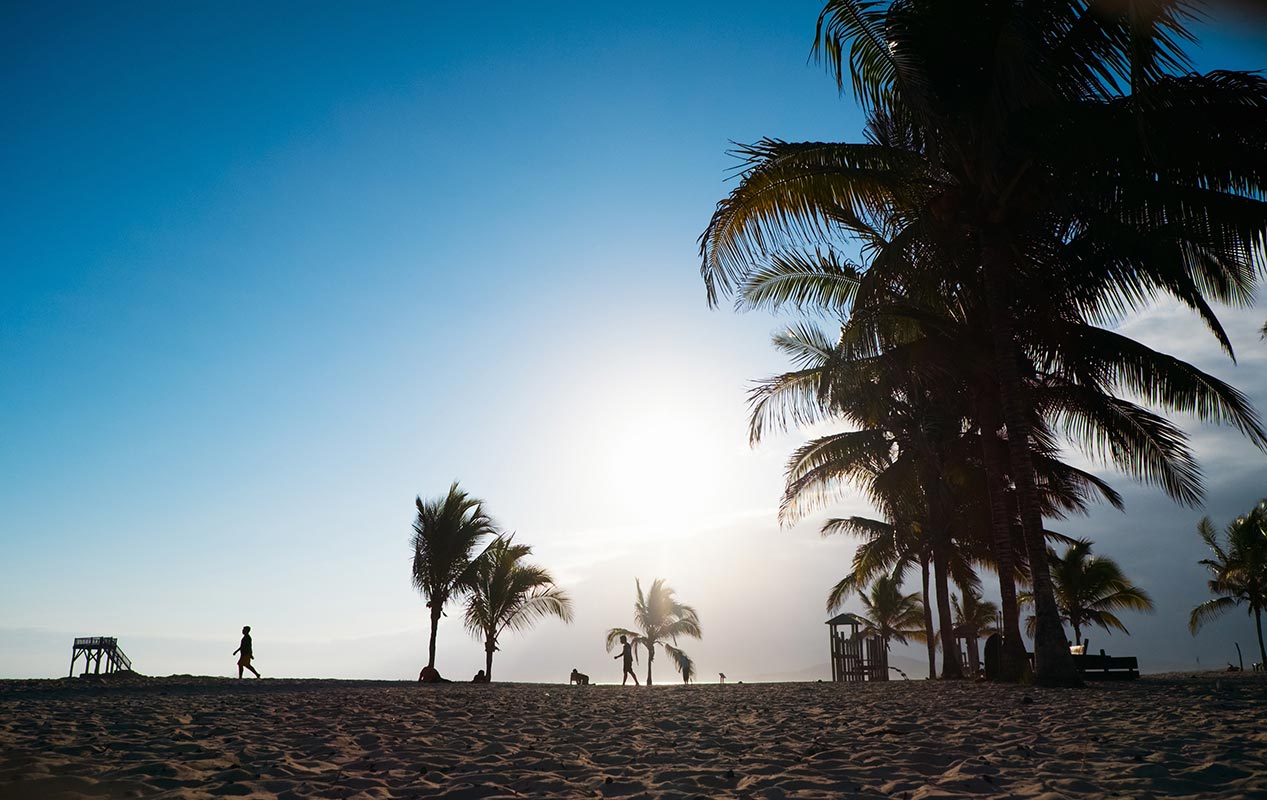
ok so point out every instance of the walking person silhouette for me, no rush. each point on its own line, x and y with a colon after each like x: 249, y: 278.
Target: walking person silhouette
x: 244, y: 660
x: 626, y: 652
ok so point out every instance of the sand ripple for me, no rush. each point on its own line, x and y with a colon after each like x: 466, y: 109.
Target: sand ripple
x: 1176, y: 736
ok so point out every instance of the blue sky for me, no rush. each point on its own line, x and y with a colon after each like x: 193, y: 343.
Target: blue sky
x: 272, y: 270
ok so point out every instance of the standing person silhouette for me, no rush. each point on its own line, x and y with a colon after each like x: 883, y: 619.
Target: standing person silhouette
x: 244, y: 660
x: 626, y: 652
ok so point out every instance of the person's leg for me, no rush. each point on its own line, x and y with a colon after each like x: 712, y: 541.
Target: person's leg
x: 239, y: 672
x: 252, y: 669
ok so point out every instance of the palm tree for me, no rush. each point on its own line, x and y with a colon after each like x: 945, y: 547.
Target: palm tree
x: 909, y: 454
x: 447, y: 531
x: 974, y: 618
x: 892, y: 615
x: 1239, y: 568
x: 886, y: 548
x: 508, y: 594
x: 660, y: 619
x: 1090, y: 588
x: 1024, y: 169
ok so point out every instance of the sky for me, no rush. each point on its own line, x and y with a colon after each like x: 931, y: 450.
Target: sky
x: 272, y: 271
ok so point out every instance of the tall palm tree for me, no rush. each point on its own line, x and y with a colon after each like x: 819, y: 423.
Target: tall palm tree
x: 907, y: 454
x: 974, y: 618
x: 890, y: 614
x: 1239, y: 570
x: 660, y: 619
x: 887, y: 548
x: 1089, y: 589
x: 1030, y: 174
x: 508, y: 594
x: 447, y: 531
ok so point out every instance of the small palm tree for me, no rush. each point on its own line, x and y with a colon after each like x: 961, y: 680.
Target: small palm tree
x: 660, y: 619
x: 974, y: 618
x: 892, y: 615
x: 1090, y: 588
x: 446, y: 532
x: 1239, y: 569
x: 508, y: 594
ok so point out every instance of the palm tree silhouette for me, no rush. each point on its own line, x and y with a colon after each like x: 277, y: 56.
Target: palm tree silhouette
x: 508, y: 594
x: 1239, y: 570
x: 974, y: 618
x: 1045, y: 197
x: 660, y: 619
x: 447, y: 531
x: 890, y: 614
x: 1090, y: 588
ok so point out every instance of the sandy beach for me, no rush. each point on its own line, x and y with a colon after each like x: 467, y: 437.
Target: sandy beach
x: 1162, y: 736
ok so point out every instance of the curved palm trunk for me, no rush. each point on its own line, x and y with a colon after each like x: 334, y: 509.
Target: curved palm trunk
x: 1258, y: 621
x: 950, y: 668
x: 1013, y: 665
x: 939, y: 537
x: 435, y: 626
x: 650, y: 658
x: 930, y: 632
x: 1053, y: 665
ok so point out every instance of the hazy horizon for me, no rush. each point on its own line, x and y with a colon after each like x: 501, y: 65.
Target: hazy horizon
x: 271, y: 273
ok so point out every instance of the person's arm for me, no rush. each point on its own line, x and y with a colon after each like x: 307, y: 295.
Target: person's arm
x: 235, y: 652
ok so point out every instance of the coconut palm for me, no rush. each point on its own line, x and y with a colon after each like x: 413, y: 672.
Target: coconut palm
x: 887, y: 547
x: 1089, y: 589
x: 447, y: 531
x: 1027, y: 171
x: 660, y: 619
x: 974, y: 618
x: 909, y: 453
x: 1239, y: 569
x: 890, y: 614
x: 508, y: 594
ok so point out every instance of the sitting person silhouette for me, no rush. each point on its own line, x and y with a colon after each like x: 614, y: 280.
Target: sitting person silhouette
x: 480, y: 677
x: 579, y: 678
x: 626, y: 652
x: 430, y: 674
x: 244, y: 660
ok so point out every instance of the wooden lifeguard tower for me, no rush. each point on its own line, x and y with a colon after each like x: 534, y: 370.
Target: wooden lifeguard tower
x: 856, y: 657
x: 96, y: 648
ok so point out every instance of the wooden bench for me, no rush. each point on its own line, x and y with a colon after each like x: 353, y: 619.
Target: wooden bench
x: 1107, y: 668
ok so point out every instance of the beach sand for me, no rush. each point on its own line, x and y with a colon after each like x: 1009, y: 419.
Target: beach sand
x: 1162, y: 736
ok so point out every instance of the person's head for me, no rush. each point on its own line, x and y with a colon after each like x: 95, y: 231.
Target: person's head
x: 246, y: 628
x: 623, y: 640
x: 480, y: 673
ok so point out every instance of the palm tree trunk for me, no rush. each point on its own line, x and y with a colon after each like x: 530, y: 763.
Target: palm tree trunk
x: 950, y: 666
x: 1077, y: 633
x: 431, y: 645
x: 974, y: 655
x: 1258, y: 621
x: 1053, y: 664
x: 1013, y: 665
x: 490, y: 644
x: 650, y: 658
x: 930, y: 632
x: 939, y: 537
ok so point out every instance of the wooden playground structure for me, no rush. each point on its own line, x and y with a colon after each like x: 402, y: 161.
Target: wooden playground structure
x: 96, y: 648
x: 855, y: 657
